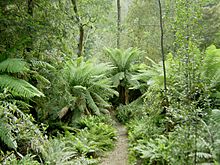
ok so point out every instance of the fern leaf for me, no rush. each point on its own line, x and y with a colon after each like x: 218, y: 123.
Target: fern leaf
x: 204, y: 155
x: 92, y: 104
x: 116, y: 78
x: 40, y: 64
x: 13, y: 65
x: 100, y: 100
x: 6, y: 137
x: 19, y: 87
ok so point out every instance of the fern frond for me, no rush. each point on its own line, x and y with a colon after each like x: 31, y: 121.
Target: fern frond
x: 216, y: 115
x: 89, y: 83
x: 122, y: 60
x: 6, y: 137
x: 41, y: 64
x: 13, y: 65
x: 92, y: 104
x: 100, y: 101
x: 212, y: 61
x: 19, y: 87
x: 204, y: 155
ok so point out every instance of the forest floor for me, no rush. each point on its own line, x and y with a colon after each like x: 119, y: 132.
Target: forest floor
x: 119, y: 156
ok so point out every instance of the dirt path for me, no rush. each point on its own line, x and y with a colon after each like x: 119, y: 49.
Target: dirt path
x: 120, y: 155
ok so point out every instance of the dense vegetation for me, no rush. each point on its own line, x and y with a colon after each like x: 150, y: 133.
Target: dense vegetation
x: 66, y: 67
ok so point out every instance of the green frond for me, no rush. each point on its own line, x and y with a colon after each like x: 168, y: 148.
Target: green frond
x: 122, y: 60
x: 13, y: 65
x: 114, y: 55
x: 88, y: 81
x: 100, y: 101
x: 6, y: 137
x: 216, y: 115
x: 19, y: 87
x: 204, y: 155
x: 58, y: 152
x: 41, y: 64
x: 41, y: 78
x: 91, y: 103
x: 117, y: 78
x: 212, y: 62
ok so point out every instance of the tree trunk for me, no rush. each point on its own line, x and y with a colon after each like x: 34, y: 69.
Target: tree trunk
x: 123, y: 95
x: 165, y: 101
x: 81, y: 29
x: 118, y: 23
x: 162, y: 48
x: 30, y: 11
x: 30, y: 7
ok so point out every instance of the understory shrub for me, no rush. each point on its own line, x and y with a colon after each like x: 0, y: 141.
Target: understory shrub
x: 184, y: 127
x: 125, y: 113
x: 84, y: 147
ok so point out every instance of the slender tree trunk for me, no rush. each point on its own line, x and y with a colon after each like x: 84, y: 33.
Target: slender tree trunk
x: 162, y: 47
x: 165, y: 102
x: 30, y: 11
x: 30, y: 7
x: 118, y: 23
x: 81, y: 29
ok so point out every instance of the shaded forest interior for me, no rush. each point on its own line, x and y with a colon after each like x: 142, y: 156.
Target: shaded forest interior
x: 68, y: 66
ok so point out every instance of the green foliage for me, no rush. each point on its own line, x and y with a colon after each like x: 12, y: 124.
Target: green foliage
x: 123, y: 60
x: 26, y: 160
x: 6, y: 135
x: 183, y: 131
x: 125, y: 113
x: 13, y: 65
x: 88, y: 144
x: 17, y: 87
x: 125, y: 64
x: 141, y: 28
x: 86, y: 121
x: 210, y: 34
x: 89, y: 84
x: 212, y: 63
x: 56, y: 151
x: 18, y: 131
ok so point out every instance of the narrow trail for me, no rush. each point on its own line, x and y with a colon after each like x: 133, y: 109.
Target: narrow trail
x: 119, y: 156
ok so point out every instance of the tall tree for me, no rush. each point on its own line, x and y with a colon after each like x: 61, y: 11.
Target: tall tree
x: 81, y: 29
x: 118, y: 22
x: 162, y: 46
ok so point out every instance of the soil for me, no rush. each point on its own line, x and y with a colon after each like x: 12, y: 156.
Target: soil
x: 119, y: 156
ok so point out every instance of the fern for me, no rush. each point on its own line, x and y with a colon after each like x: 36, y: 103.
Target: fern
x: 41, y: 64
x: 212, y: 62
x: 13, y: 65
x: 56, y: 151
x: 122, y: 60
x: 19, y: 87
x: 6, y: 137
x: 89, y: 83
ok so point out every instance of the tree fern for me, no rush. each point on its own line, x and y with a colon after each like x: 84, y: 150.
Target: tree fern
x: 123, y: 61
x: 88, y: 82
